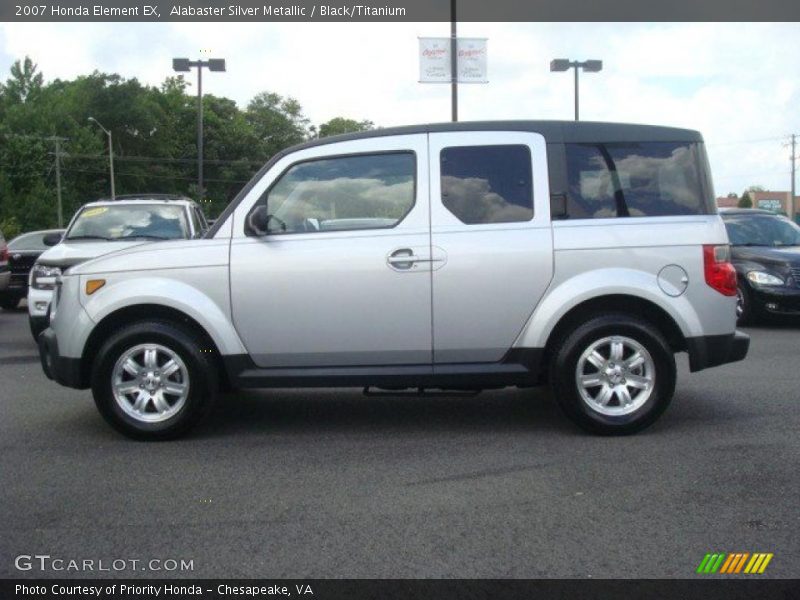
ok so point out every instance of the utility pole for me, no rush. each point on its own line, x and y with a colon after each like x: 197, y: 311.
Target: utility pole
x: 58, y: 141
x: 183, y: 65
x: 453, y: 61
x: 790, y: 209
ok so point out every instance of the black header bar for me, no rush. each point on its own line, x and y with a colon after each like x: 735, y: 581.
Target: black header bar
x: 399, y: 10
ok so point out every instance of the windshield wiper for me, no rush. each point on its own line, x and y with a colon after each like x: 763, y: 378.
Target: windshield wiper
x: 142, y: 236
x: 88, y: 237
x: 754, y: 244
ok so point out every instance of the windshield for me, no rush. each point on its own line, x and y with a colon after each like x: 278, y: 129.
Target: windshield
x: 130, y: 221
x: 762, y: 230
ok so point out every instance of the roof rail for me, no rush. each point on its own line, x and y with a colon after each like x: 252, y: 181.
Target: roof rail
x: 145, y: 196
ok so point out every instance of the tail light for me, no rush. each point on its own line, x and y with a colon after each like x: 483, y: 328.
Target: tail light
x: 719, y: 271
x: 4, y: 253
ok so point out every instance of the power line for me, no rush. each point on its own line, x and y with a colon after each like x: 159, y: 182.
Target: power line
x: 168, y: 159
x: 752, y: 141
x: 149, y: 175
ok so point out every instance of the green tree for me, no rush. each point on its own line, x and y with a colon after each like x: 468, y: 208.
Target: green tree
x: 25, y: 81
x: 154, y: 130
x: 275, y: 122
x: 745, y: 201
x: 339, y: 125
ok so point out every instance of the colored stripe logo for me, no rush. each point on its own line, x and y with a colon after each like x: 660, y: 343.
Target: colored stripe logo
x: 733, y: 563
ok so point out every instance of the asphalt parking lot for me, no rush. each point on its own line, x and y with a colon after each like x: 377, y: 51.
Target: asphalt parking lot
x: 327, y: 483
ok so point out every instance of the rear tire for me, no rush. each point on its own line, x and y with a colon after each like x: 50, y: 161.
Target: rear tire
x: 613, y: 375
x: 151, y: 381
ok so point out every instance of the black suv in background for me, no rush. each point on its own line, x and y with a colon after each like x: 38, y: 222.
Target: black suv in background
x: 23, y: 251
x: 765, y: 250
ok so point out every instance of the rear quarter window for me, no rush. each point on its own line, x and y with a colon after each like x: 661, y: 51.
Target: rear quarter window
x: 639, y: 179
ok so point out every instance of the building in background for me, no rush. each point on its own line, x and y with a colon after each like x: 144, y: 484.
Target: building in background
x: 775, y: 201
x: 727, y: 201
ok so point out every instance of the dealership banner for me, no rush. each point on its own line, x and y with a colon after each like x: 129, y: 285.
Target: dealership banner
x: 435, y: 60
x: 398, y: 10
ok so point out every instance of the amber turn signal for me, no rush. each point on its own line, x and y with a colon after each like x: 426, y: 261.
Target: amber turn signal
x: 93, y: 285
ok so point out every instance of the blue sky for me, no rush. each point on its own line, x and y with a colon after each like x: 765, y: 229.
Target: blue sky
x: 738, y: 83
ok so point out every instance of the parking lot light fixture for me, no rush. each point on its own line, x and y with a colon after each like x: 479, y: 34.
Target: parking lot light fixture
x: 110, y: 155
x: 564, y: 64
x: 183, y: 65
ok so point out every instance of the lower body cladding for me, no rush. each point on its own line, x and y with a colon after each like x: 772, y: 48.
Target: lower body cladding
x: 521, y: 367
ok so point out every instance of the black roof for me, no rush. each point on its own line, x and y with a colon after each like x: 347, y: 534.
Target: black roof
x: 553, y: 131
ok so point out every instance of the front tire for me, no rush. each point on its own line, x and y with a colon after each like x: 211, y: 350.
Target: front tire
x: 613, y: 375
x: 151, y: 381
x: 9, y: 302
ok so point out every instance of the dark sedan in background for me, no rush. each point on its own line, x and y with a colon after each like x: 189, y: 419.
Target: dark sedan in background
x: 765, y: 249
x: 23, y: 251
x: 5, y: 275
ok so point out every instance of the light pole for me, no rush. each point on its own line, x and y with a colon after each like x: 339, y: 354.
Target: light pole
x: 564, y: 64
x: 110, y: 155
x: 183, y: 65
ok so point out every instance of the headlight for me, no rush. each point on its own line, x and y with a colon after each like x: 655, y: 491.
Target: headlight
x: 44, y: 277
x: 764, y: 278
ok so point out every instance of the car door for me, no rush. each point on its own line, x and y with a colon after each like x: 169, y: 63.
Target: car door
x: 491, y: 236
x: 342, y: 279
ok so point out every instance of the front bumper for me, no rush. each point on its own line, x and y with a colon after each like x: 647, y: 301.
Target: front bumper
x: 776, y: 300
x: 39, y: 302
x: 61, y: 369
x: 713, y: 350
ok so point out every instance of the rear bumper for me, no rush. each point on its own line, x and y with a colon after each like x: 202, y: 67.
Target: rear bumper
x: 5, y: 279
x: 61, y: 369
x: 713, y: 350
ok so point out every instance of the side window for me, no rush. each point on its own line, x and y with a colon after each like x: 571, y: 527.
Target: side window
x: 487, y: 184
x: 366, y: 191
x: 201, y: 219
x: 635, y: 180
x: 196, y: 226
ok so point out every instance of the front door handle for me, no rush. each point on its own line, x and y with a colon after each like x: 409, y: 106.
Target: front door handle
x: 404, y: 259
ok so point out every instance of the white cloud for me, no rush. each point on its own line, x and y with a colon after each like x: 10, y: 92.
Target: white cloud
x: 732, y: 81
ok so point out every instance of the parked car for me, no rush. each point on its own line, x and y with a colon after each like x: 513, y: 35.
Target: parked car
x: 106, y: 226
x: 23, y: 251
x: 460, y: 256
x: 765, y: 250
x: 5, y: 272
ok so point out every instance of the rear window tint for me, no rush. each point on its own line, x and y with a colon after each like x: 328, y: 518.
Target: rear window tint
x: 487, y: 184
x: 642, y: 179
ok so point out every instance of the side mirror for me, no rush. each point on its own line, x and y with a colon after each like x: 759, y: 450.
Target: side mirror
x: 51, y: 239
x: 258, y: 221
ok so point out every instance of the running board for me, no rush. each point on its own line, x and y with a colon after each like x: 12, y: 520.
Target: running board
x: 420, y: 392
